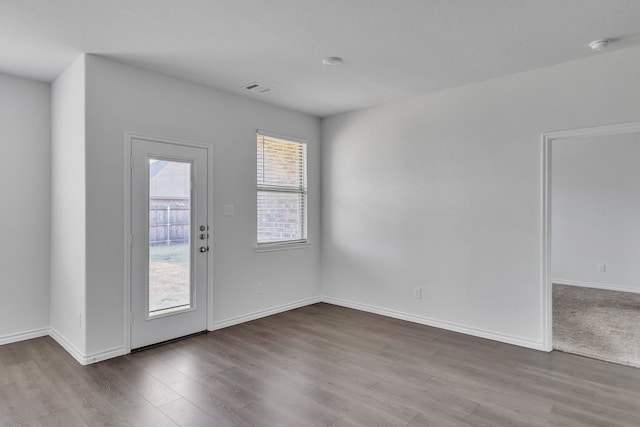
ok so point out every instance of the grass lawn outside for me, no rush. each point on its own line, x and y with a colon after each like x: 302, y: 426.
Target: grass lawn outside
x: 169, y: 281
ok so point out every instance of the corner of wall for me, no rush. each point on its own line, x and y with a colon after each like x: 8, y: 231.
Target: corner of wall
x: 68, y: 216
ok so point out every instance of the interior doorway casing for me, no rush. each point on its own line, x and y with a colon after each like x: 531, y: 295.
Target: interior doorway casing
x: 548, y: 139
x: 128, y: 141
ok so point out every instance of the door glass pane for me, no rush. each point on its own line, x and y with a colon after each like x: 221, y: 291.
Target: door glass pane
x: 169, y: 236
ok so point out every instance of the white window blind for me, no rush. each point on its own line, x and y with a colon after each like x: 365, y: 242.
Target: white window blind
x: 281, y: 190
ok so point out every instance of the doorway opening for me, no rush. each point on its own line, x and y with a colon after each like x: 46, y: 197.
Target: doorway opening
x: 591, y: 189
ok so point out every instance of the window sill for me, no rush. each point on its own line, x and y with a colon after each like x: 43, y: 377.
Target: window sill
x: 269, y: 247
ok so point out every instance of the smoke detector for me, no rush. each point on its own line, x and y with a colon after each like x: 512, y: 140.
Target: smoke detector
x: 600, y: 44
x: 332, y: 61
x: 257, y: 87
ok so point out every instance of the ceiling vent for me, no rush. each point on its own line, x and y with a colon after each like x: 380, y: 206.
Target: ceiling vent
x: 258, y: 87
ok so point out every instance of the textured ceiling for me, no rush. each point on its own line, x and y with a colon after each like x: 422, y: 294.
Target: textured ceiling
x: 392, y: 48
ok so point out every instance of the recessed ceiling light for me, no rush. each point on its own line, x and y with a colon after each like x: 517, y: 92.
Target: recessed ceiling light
x: 599, y: 44
x: 332, y: 60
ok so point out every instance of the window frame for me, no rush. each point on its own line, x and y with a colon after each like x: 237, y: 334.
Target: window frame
x: 304, y: 217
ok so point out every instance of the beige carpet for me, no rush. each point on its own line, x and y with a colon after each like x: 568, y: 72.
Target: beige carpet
x: 596, y: 323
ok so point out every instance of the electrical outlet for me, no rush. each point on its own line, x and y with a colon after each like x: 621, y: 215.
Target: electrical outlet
x: 260, y: 288
x: 601, y: 268
x: 229, y: 210
x: 417, y: 292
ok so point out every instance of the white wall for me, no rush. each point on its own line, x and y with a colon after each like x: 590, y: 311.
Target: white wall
x: 443, y: 191
x: 68, y: 211
x: 24, y: 192
x: 596, y: 211
x: 122, y: 98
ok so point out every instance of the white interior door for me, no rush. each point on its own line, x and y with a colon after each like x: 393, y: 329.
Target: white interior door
x: 170, y: 249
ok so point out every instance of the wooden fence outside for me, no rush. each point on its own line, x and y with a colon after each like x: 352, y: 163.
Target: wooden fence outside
x: 169, y: 224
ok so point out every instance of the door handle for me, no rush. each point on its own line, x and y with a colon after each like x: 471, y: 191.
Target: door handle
x: 204, y: 249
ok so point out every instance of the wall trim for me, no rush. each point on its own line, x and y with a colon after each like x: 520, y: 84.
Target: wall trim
x: 70, y: 348
x: 264, y: 313
x: 593, y: 285
x: 99, y: 356
x: 26, y: 335
x: 482, y: 333
x: 85, y: 359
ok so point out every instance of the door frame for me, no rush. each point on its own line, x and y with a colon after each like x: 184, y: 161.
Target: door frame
x: 128, y: 141
x: 547, y: 142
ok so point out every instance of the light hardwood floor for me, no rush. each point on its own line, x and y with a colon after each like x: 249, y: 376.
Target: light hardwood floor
x: 320, y: 365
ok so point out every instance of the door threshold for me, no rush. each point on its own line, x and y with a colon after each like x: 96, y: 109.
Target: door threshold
x: 158, y: 344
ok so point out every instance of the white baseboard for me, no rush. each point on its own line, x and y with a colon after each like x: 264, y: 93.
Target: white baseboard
x: 85, y: 359
x: 70, y: 348
x: 99, y: 356
x: 264, y: 313
x: 95, y: 357
x: 27, y: 335
x: 522, y: 342
x: 596, y: 285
